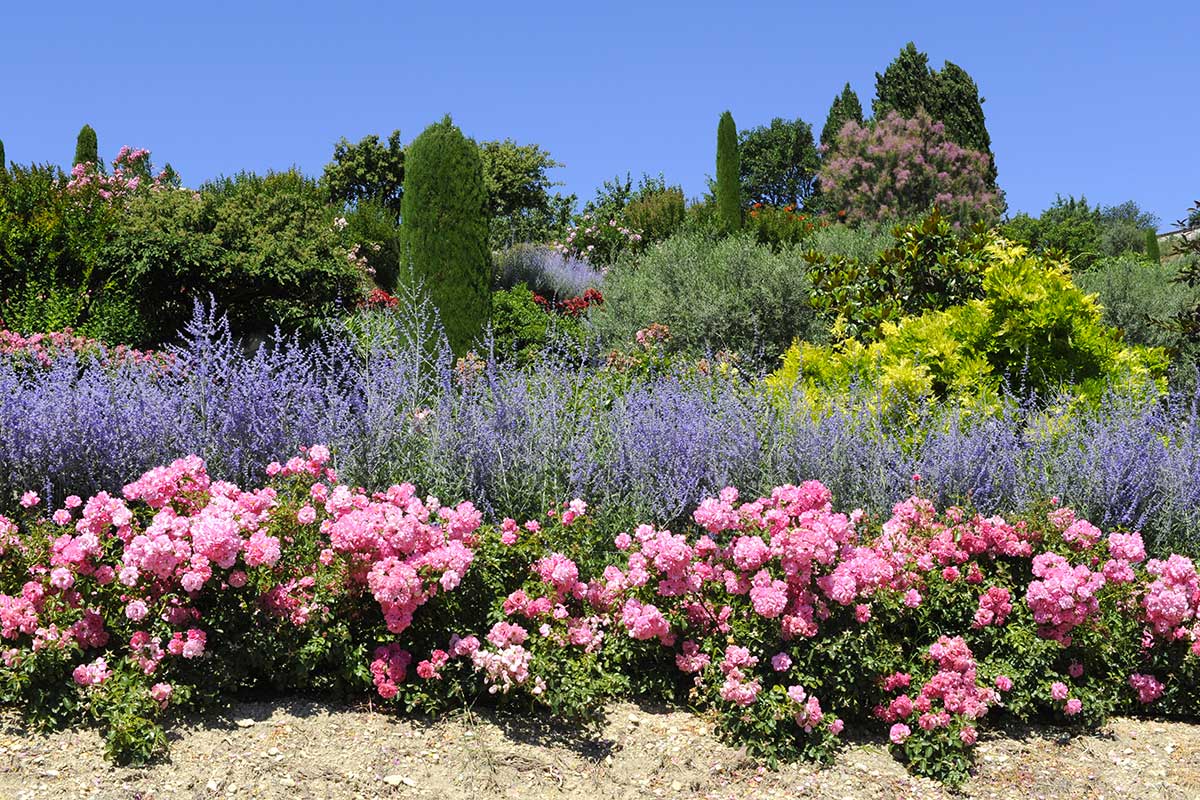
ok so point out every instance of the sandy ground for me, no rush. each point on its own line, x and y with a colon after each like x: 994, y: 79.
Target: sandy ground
x: 300, y: 749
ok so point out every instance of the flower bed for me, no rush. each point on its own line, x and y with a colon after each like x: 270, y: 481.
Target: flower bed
x: 781, y: 615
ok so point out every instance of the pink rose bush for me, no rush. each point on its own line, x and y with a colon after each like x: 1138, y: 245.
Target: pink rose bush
x: 782, y: 615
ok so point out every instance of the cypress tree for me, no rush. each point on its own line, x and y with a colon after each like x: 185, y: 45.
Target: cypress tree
x: 729, y: 201
x: 86, y: 148
x: 3, y: 163
x: 846, y: 108
x: 444, y: 228
x: 956, y: 102
x: 906, y: 85
x: 1152, y: 251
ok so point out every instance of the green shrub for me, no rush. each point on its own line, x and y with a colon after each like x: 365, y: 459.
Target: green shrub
x: 729, y: 294
x: 267, y: 248
x: 87, y: 150
x: 729, y: 200
x: 445, y: 228
x: 1031, y: 327
x: 371, y: 227
x: 656, y: 214
x: 1083, y: 233
x: 1139, y: 297
x: 522, y: 329
x: 929, y: 266
x: 782, y: 227
x: 861, y: 242
x: 53, y: 273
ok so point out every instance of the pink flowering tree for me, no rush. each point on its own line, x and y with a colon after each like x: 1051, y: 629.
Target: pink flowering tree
x: 897, y: 167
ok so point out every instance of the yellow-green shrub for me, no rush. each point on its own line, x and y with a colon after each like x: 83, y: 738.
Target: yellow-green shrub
x: 1032, y: 328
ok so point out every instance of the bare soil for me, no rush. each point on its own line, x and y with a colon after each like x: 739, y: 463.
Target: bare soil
x: 304, y: 750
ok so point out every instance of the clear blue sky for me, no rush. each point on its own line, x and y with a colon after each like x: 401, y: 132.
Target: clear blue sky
x: 1097, y: 98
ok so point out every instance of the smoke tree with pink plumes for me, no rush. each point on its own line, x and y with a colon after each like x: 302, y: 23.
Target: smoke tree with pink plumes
x: 784, y: 619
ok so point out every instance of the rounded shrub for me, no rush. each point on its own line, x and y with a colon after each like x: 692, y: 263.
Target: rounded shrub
x: 727, y: 294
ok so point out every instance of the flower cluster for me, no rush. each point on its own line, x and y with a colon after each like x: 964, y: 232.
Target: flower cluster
x: 951, y: 701
x: 181, y: 583
x: 130, y: 171
x: 599, y: 241
x: 43, y: 349
x: 572, y: 306
x: 897, y: 167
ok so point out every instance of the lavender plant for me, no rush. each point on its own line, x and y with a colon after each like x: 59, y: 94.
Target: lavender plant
x: 519, y: 440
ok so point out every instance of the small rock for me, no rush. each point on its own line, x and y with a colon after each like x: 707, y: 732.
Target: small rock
x: 212, y: 786
x: 245, y: 723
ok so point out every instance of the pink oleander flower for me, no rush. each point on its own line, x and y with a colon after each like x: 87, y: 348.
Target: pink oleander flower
x: 1058, y: 690
x: 1073, y: 707
x: 781, y: 662
x: 899, y: 733
x: 1004, y: 683
x: 1075, y: 669
x: 30, y: 499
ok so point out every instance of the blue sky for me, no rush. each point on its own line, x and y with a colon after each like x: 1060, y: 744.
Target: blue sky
x: 1097, y: 98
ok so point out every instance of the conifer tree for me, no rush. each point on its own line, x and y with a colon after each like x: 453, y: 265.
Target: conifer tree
x: 444, y: 228
x: 729, y: 202
x: 86, y: 148
x: 846, y: 108
x: 1152, y: 251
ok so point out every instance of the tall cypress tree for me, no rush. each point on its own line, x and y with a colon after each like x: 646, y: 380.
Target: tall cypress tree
x: 906, y: 84
x: 1152, y: 249
x: 444, y: 228
x: 956, y: 102
x: 86, y: 148
x: 3, y: 163
x: 846, y: 108
x: 729, y: 201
